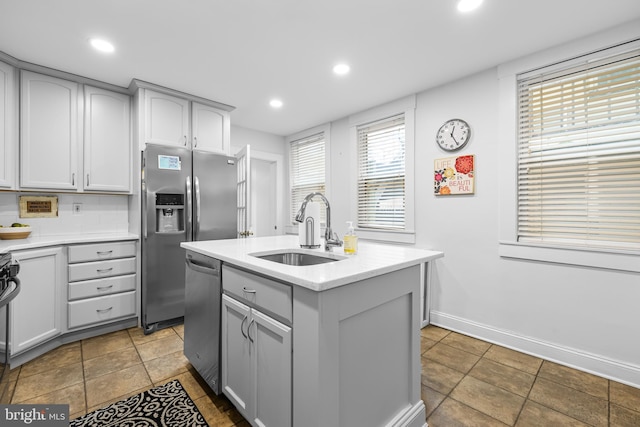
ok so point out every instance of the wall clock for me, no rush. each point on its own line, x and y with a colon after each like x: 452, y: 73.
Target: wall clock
x: 453, y: 135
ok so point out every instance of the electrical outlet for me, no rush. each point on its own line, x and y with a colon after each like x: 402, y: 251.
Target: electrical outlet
x: 77, y: 209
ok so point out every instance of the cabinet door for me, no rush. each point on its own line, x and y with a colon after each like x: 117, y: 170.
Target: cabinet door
x: 209, y: 128
x: 166, y: 119
x: 236, y: 354
x: 48, y: 132
x: 272, y: 371
x: 107, y: 141
x: 36, y: 313
x: 7, y: 126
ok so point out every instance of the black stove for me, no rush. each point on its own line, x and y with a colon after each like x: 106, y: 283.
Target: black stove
x: 8, y: 272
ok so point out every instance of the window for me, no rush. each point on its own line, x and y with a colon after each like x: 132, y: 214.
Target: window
x: 307, y: 170
x: 579, y: 154
x: 381, y: 174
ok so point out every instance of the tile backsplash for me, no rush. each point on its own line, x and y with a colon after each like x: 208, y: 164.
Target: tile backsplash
x: 97, y: 214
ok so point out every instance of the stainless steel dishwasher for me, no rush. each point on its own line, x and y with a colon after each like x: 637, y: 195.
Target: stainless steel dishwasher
x: 203, y: 296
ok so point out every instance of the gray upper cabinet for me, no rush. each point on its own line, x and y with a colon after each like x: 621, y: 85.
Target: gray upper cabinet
x: 211, y: 128
x: 107, y: 141
x: 48, y: 132
x: 175, y: 121
x: 72, y: 142
x: 7, y: 126
x: 166, y: 119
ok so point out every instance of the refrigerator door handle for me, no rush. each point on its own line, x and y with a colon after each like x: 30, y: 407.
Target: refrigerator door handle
x: 189, y: 210
x: 196, y: 185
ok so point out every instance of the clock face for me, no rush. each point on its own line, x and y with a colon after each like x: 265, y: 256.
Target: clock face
x: 453, y: 135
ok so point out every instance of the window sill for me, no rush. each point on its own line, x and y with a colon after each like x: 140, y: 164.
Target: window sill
x: 406, y: 237
x: 598, y: 258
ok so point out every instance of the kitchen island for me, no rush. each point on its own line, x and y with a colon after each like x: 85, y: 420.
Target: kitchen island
x: 330, y: 344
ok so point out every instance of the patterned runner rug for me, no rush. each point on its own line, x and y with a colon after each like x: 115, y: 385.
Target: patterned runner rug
x: 166, y: 405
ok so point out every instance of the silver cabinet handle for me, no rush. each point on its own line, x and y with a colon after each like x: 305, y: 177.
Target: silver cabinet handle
x: 104, y: 310
x: 248, y: 291
x: 242, y: 330
x: 189, y: 210
x: 104, y: 270
x: 104, y: 287
x: 249, y: 329
x: 196, y: 225
x: 87, y: 180
x: 73, y: 178
x: 195, y: 141
x: 100, y: 253
x: 185, y: 140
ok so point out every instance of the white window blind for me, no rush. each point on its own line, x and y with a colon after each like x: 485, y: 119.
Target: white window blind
x: 381, y: 174
x: 307, y: 169
x: 579, y: 155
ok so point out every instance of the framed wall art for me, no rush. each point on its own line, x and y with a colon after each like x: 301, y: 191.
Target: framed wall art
x: 454, y: 175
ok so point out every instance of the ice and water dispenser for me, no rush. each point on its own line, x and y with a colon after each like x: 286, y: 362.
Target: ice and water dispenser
x: 169, y: 213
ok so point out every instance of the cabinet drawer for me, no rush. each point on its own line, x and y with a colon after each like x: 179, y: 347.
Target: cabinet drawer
x: 260, y: 292
x: 101, y: 251
x: 101, y: 309
x: 99, y: 269
x: 99, y: 287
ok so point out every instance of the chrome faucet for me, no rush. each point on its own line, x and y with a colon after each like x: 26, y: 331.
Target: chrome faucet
x: 330, y: 238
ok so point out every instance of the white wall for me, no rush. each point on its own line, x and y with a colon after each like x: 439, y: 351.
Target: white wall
x: 260, y: 141
x: 584, y: 317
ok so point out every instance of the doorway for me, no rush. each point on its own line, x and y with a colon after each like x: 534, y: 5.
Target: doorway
x: 263, y: 197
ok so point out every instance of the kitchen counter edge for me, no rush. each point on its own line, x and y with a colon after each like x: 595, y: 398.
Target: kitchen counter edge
x: 373, y: 259
x: 45, y: 241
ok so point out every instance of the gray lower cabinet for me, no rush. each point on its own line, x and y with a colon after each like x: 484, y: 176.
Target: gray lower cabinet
x: 102, y: 283
x: 256, y: 360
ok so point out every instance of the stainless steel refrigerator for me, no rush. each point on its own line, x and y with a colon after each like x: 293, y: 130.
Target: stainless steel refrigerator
x: 186, y: 195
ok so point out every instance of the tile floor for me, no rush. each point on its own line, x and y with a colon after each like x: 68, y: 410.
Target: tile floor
x: 465, y: 382
x: 468, y: 382
x: 92, y: 373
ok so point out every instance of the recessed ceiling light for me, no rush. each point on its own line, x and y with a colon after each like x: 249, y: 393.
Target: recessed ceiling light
x: 341, y: 69
x: 102, y: 45
x: 468, y: 5
x: 275, y: 103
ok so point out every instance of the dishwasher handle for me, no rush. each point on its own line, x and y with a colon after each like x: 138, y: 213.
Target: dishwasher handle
x: 202, y: 267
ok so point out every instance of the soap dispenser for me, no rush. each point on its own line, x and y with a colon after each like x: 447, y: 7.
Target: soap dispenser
x: 350, y: 240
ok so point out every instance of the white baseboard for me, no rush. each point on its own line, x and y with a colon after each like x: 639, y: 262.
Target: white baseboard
x: 592, y: 363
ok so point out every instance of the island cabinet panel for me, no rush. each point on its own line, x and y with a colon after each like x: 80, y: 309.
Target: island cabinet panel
x: 236, y: 358
x: 272, y: 297
x: 360, y: 343
x: 256, y: 358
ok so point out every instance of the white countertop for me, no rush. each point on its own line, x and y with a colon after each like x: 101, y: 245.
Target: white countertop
x: 372, y: 259
x: 65, y: 239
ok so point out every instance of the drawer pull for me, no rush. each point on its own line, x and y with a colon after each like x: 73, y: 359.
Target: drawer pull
x: 101, y: 253
x: 242, y: 330
x: 248, y: 291
x: 104, y: 310
x: 249, y: 329
x: 104, y: 287
x: 104, y: 270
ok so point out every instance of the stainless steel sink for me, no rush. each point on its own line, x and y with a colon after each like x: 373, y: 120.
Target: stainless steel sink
x: 297, y: 258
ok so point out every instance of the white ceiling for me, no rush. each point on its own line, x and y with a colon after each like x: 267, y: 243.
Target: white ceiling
x: 245, y: 52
